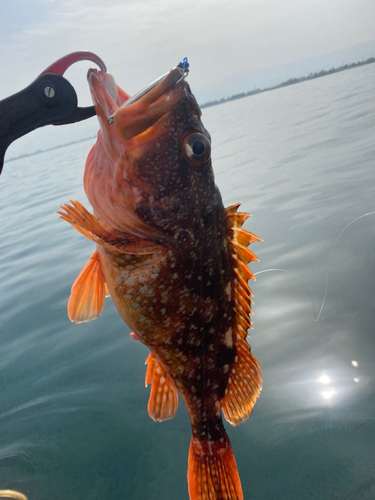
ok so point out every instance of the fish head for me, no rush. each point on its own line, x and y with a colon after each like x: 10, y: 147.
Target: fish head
x: 150, y: 171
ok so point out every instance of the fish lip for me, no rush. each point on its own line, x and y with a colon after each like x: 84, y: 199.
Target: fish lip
x: 130, y: 121
x: 156, y: 88
x: 103, y: 91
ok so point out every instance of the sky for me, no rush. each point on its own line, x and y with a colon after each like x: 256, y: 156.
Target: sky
x: 233, y: 45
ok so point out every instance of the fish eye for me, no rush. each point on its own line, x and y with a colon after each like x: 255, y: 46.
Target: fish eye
x: 196, y: 148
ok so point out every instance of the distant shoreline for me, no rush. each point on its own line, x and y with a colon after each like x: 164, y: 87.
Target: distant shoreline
x: 40, y: 151
x: 291, y: 81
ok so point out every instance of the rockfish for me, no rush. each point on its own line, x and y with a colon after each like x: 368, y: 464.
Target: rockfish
x: 174, y: 261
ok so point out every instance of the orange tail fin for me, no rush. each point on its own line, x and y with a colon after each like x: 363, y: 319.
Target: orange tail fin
x: 212, y: 471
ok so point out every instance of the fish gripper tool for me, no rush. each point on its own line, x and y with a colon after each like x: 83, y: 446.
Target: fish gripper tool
x: 49, y: 100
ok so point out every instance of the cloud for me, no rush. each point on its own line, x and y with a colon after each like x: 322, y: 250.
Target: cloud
x: 140, y: 40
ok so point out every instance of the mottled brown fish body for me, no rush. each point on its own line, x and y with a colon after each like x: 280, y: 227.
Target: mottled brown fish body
x: 179, y: 302
x: 174, y: 261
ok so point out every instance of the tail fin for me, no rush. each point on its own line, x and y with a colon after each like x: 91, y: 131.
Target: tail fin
x: 212, y: 471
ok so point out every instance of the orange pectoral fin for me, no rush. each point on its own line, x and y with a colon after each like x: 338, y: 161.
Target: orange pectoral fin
x: 163, y: 401
x: 84, y: 222
x: 88, y: 293
x: 88, y: 225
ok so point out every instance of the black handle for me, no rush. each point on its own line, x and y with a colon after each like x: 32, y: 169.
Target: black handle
x: 50, y: 99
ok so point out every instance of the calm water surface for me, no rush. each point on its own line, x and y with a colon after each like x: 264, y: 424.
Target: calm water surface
x: 73, y: 415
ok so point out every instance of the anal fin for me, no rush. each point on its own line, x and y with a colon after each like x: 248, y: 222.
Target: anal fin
x: 88, y: 293
x: 163, y: 401
x: 244, y: 386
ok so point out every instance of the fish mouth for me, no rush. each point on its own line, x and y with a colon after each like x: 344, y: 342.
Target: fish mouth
x: 130, y: 117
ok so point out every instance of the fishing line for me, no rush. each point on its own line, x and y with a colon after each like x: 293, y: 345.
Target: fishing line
x: 330, y: 259
x: 296, y: 276
x: 317, y: 317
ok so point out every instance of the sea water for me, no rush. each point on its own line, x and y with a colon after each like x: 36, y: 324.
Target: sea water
x: 73, y: 412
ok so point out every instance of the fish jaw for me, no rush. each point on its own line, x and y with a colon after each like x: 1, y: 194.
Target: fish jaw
x: 137, y: 175
x: 133, y: 119
x: 107, y: 97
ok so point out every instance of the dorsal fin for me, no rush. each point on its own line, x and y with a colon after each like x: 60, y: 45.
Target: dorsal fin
x: 244, y: 238
x: 244, y: 386
x: 163, y: 401
x: 240, y: 239
x: 245, y: 380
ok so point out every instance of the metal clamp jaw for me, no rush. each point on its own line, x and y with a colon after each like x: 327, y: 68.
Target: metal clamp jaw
x: 49, y: 100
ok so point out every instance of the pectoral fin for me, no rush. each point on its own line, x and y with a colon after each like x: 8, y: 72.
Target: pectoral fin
x: 163, y: 401
x: 88, y: 293
x: 88, y: 225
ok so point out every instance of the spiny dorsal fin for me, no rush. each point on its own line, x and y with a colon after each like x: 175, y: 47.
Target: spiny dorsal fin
x: 245, y: 380
x: 243, y: 253
x: 232, y: 209
x: 163, y: 401
x: 242, y: 237
x: 89, y: 291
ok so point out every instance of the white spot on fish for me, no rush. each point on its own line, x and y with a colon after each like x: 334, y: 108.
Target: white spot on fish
x: 130, y: 281
x: 136, y: 192
x: 228, y: 338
